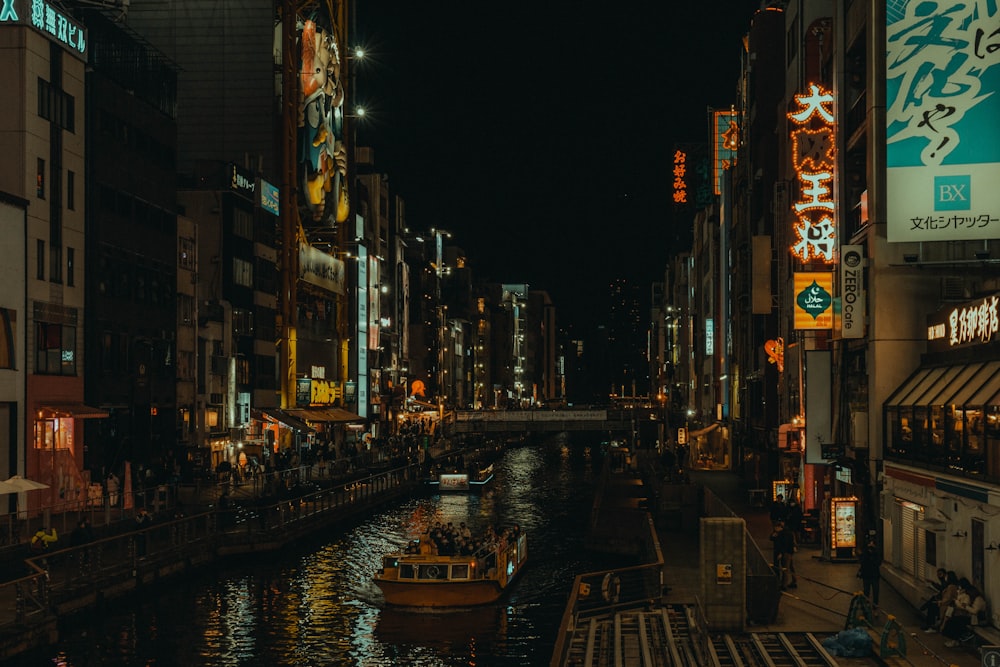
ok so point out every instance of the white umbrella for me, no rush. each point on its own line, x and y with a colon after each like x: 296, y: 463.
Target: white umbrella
x: 17, y: 484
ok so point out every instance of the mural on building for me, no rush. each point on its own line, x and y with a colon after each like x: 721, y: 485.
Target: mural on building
x: 323, y: 155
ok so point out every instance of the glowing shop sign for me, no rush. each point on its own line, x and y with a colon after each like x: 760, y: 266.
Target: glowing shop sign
x: 724, y: 144
x: 680, y: 177
x: 48, y: 20
x: 974, y: 323
x: 814, y: 157
x: 813, y: 300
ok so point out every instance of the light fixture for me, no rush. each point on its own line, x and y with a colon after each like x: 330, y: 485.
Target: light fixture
x: 910, y: 257
x: 992, y: 547
x: 982, y: 254
x: 961, y: 533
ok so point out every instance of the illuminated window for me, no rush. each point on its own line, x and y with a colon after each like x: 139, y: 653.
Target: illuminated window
x: 55, y: 349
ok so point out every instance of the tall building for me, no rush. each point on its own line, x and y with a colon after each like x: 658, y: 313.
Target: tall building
x: 130, y: 327
x: 42, y: 177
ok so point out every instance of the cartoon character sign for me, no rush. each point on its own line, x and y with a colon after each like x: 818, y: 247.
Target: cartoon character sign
x: 323, y: 156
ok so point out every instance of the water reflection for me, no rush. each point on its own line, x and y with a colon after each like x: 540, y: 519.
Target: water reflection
x: 318, y: 606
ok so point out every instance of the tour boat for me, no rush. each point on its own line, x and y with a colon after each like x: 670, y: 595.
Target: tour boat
x: 474, y: 481
x: 431, y: 580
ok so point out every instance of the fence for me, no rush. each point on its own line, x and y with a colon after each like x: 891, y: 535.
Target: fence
x: 45, y: 585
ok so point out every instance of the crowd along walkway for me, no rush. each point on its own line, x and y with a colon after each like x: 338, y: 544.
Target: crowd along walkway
x: 36, y: 590
x: 821, y: 601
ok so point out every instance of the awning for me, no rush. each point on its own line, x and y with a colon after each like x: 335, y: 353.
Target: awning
x: 703, y: 431
x: 328, y: 414
x: 975, y: 385
x: 282, y: 416
x: 70, y: 410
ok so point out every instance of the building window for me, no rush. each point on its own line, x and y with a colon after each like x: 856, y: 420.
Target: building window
x: 242, y: 224
x: 185, y: 309
x: 71, y: 190
x: 40, y: 179
x: 70, y: 262
x: 242, y: 272
x: 8, y: 344
x: 185, y: 253
x: 40, y: 259
x: 55, y: 349
x: 55, y: 263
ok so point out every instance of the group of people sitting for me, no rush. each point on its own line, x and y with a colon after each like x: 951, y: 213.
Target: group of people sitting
x: 955, y: 606
x: 450, y: 540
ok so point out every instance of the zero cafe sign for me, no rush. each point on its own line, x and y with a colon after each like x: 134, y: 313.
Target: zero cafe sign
x: 47, y: 19
x: 974, y: 323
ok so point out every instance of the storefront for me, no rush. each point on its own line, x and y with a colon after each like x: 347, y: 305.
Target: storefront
x: 947, y: 413
x: 940, y: 506
x: 58, y: 444
x: 278, y: 430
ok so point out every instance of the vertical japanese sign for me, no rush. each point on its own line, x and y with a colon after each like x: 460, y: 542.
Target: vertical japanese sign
x: 680, y: 177
x: 852, y: 292
x: 725, y: 141
x: 813, y: 157
x: 942, y: 134
x: 813, y: 292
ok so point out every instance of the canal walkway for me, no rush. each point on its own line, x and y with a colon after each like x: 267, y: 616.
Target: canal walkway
x: 190, y: 527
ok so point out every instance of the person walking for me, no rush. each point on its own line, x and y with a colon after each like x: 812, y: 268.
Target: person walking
x: 870, y: 572
x: 779, y: 510
x: 784, y: 556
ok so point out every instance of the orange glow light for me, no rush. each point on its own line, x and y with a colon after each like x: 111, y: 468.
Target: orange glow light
x: 814, y: 156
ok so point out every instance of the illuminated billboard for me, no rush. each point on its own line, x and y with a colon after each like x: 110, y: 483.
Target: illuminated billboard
x: 813, y: 299
x: 942, y: 134
x: 322, y: 158
x: 814, y: 157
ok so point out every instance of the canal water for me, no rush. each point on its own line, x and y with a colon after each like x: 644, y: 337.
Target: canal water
x: 316, y: 605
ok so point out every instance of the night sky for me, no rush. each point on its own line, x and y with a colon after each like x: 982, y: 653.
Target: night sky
x: 540, y: 133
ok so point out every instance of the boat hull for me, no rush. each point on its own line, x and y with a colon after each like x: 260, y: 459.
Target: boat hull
x: 440, y: 594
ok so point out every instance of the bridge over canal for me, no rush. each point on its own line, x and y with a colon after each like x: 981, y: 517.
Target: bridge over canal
x: 615, y: 421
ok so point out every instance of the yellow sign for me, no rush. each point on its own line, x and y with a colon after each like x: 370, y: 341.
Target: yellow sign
x: 813, y: 300
x: 682, y: 435
x: 724, y: 573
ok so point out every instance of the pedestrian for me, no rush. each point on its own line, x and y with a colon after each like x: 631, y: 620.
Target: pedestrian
x: 44, y: 539
x: 779, y: 510
x: 968, y: 609
x: 82, y: 534
x: 870, y: 572
x: 935, y: 613
x: 142, y: 520
x: 793, y: 519
x: 113, y: 486
x: 784, y: 553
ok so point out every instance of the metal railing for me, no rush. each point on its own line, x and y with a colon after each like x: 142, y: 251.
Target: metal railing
x: 65, y: 579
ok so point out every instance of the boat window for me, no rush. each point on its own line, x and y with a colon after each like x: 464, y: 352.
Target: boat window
x: 460, y: 571
x: 406, y: 571
x: 433, y: 571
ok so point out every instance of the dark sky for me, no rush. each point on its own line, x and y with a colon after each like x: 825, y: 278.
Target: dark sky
x: 540, y: 133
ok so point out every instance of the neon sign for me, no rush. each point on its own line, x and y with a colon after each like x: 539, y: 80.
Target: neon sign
x: 724, y: 145
x: 814, y: 157
x: 49, y: 20
x: 680, y: 177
